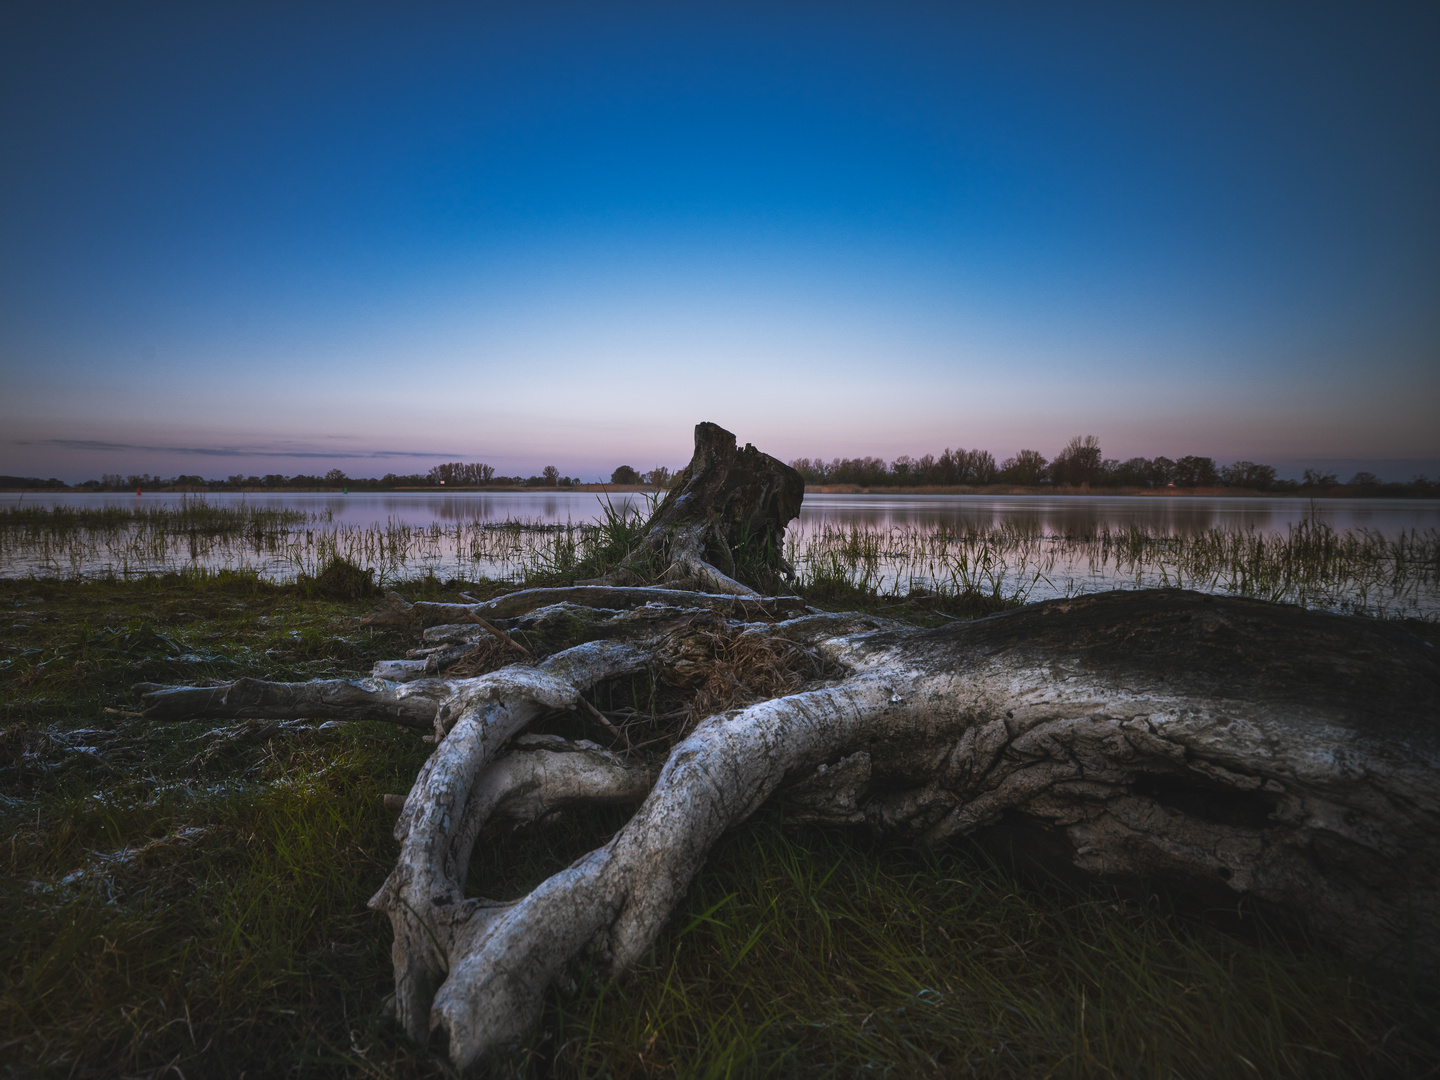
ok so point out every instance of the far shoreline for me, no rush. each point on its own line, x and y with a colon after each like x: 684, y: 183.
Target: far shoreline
x: 1339, y: 491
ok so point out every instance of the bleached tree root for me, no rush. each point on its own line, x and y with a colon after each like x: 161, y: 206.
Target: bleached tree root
x: 747, y: 603
x: 689, y: 565
x: 412, y: 704
x: 1230, y: 745
x: 432, y: 921
x: 447, y: 806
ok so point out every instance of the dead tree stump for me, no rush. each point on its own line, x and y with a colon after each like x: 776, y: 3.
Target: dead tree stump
x: 721, y: 528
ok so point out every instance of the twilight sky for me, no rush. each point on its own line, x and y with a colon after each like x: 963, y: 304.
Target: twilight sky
x: 240, y: 238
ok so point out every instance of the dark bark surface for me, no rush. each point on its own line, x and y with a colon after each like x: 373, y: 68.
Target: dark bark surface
x: 723, y: 521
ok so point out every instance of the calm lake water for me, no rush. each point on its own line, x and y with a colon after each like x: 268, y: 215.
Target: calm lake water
x: 1033, y: 547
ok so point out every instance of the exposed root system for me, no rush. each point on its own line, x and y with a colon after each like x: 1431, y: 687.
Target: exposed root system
x: 1242, y: 748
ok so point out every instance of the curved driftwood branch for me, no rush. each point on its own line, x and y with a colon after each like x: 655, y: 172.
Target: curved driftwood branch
x: 412, y: 704
x: 399, y: 614
x: 1230, y: 745
x: 423, y: 895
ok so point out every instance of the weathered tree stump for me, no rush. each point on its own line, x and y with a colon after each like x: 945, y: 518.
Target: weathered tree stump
x: 723, y: 521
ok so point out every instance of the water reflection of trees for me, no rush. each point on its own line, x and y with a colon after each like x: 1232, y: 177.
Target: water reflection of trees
x: 1070, y: 516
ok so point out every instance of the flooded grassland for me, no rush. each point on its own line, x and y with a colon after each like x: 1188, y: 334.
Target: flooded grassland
x: 1359, y: 556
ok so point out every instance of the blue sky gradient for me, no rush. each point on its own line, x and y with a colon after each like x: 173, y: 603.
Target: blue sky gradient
x: 278, y: 239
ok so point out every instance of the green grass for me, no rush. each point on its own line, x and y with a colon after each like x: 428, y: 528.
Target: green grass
x: 177, y: 900
x: 818, y: 953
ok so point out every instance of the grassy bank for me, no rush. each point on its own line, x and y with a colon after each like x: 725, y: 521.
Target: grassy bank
x: 182, y: 900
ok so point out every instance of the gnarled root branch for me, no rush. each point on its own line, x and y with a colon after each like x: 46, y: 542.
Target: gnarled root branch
x: 1211, y: 768
x: 1234, y: 746
x: 746, y: 603
x: 412, y: 704
x: 443, y: 814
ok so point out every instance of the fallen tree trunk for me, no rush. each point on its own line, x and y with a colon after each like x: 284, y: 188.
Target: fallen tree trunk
x: 1230, y: 745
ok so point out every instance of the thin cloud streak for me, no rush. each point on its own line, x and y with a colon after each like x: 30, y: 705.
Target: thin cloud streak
x: 232, y: 451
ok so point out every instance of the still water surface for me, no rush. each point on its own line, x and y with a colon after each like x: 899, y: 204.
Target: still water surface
x: 1381, y: 557
x: 1051, y: 515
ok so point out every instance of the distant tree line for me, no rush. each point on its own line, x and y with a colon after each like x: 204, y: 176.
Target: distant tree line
x: 659, y: 476
x: 1082, y: 464
x: 450, y: 474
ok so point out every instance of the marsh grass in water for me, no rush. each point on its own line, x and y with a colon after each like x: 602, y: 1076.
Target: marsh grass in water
x: 1312, y: 564
x: 559, y: 555
x: 283, y: 545
x: 183, y: 899
x: 1356, y: 571
x: 190, y: 515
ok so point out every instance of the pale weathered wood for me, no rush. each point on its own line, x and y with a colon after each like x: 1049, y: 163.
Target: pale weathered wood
x: 1231, y: 746
x: 396, y: 612
x: 1227, y: 745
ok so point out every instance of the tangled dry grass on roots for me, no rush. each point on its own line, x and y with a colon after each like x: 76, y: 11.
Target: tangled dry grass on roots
x: 706, y: 665
x: 717, y: 665
x: 489, y: 654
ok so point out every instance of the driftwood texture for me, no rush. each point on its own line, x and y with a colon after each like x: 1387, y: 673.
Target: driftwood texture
x: 1229, y: 745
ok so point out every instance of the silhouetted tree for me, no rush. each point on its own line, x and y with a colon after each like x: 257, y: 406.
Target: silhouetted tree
x: 625, y: 475
x: 981, y: 468
x: 1194, y: 471
x: 1134, y: 472
x: 1247, y: 474
x: 1027, y: 467
x: 1078, y: 463
x: 1161, y: 472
